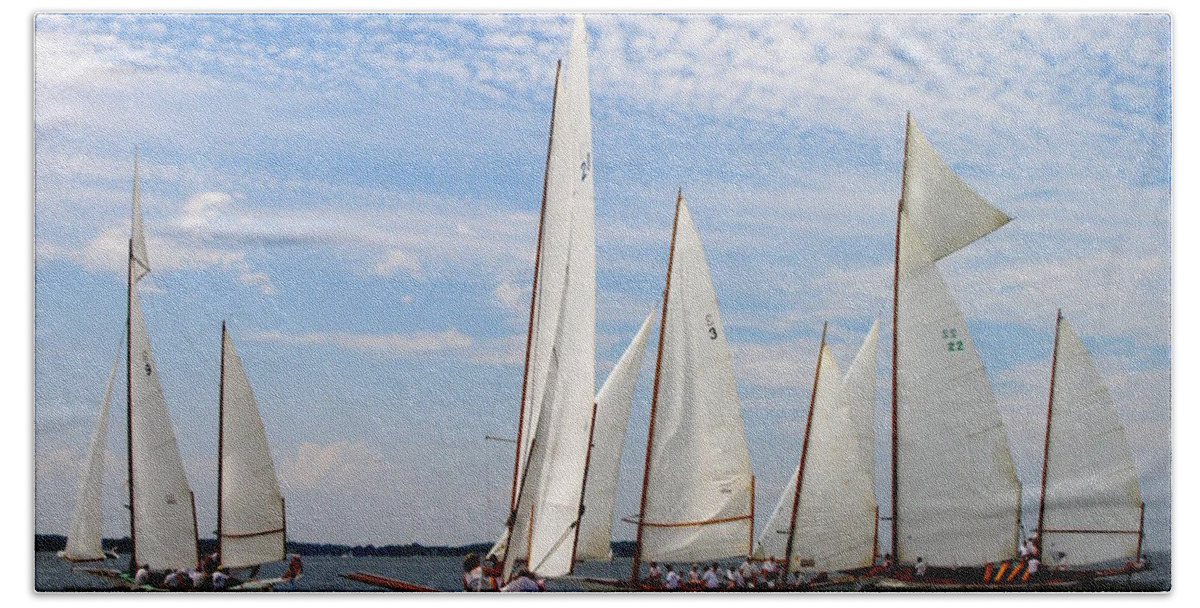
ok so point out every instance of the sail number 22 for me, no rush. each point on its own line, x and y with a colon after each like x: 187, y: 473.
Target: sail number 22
x: 950, y: 335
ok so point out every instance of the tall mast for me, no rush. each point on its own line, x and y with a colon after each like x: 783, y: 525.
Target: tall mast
x: 787, y: 552
x: 133, y: 565
x: 662, y: 326
x: 221, y: 452
x: 1049, y: 415
x: 537, y: 259
x: 750, y: 546
x: 587, y: 463
x: 895, y: 348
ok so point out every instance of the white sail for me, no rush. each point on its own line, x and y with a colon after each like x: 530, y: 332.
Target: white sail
x: 251, y: 525
x: 697, y: 494
x: 958, y: 494
x: 84, y: 540
x: 835, y: 520
x: 1091, y: 481
x: 163, y: 510
x: 612, y: 417
x: 141, y: 258
x: 554, y: 494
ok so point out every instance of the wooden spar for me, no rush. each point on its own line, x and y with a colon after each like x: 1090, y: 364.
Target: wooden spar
x: 787, y: 552
x: 587, y: 463
x: 637, y: 548
x: 750, y: 547
x: 195, y: 527
x: 533, y: 299
x: 283, y: 516
x: 529, y: 538
x: 1046, y: 446
x: 221, y: 453
x: 133, y: 565
x: 1141, y: 530
x: 895, y: 348
x: 512, y: 518
x: 875, y: 539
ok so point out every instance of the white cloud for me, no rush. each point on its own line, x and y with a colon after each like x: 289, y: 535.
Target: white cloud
x: 513, y: 297
x: 398, y: 261
x: 399, y: 344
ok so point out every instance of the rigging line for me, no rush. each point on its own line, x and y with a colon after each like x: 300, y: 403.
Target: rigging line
x: 554, y: 547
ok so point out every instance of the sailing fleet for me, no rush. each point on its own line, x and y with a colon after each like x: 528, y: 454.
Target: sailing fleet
x: 955, y: 500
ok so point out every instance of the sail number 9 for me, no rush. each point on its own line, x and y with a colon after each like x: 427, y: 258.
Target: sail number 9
x: 712, y: 331
x: 950, y: 335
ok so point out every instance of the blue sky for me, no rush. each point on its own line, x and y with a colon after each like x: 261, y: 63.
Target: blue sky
x: 358, y: 194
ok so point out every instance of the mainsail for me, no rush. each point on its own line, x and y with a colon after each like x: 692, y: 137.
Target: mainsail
x: 834, y: 526
x: 1091, y: 507
x: 956, y: 498
x: 560, y: 379
x: 696, y: 489
x: 612, y: 417
x: 84, y: 540
x: 163, y: 516
x: 250, y: 512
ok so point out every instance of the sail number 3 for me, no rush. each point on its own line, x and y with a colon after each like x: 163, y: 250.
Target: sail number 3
x: 950, y: 335
x: 712, y: 331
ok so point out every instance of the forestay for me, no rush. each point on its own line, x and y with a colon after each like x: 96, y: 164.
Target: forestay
x: 1091, y: 481
x: 566, y: 395
x: 84, y: 542
x: 957, y: 493
x: 697, y: 489
x: 251, y: 525
x: 612, y: 417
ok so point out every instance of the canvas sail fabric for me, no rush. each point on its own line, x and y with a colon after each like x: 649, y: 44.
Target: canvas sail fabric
x: 141, y: 258
x: 162, y: 499
x: 252, y: 520
x: 699, y: 464
x: 835, y: 520
x: 958, y: 494
x: 84, y: 542
x: 1091, y: 481
x: 612, y: 417
x: 566, y: 392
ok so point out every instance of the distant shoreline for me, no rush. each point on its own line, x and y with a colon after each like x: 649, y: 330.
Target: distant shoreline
x: 58, y: 542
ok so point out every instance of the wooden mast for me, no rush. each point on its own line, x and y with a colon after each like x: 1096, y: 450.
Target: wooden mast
x: 750, y: 548
x: 133, y: 565
x: 533, y: 299
x: 587, y: 463
x: 787, y: 552
x: 637, y: 549
x: 895, y: 348
x: 1046, y: 446
x: 875, y: 539
x: 221, y: 453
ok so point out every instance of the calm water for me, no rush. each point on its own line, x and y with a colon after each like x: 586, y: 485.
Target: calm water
x: 321, y: 573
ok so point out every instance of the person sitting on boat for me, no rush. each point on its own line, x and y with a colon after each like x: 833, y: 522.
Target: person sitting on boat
x: 693, y: 579
x: 888, y: 562
x: 524, y: 582
x: 472, y: 579
x: 219, y: 580
x: 1031, y: 567
x: 770, y: 571
x: 211, y: 562
x: 672, y: 577
x: 749, y: 571
x: 492, y: 573
x: 143, y: 575
x: 712, y: 580
x: 198, y: 578
x: 654, y: 578
x: 295, y: 568
x: 920, y: 567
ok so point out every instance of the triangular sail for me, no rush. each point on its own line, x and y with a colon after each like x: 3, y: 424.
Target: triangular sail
x: 957, y: 494
x: 612, y: 417
x: 568, y: 229
x: 163, y: 515
x: 697, y: 496
x: 835, y: 527
x: 141, y: 258
x: 84, y: 540
x: 1092, y: 503
x: 251, y: 525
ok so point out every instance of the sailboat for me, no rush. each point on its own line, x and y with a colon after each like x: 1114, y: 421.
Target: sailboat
x: 697, y: 489
x: 84, y: 541
x: 1091, y: 510
x: 955, y: 494
x: 827, y: 517
x: 162, y: 508
x: 251, y: 517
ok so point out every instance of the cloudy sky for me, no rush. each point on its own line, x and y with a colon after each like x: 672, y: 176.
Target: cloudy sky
x: 357, y: 195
